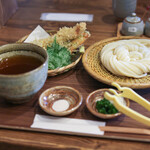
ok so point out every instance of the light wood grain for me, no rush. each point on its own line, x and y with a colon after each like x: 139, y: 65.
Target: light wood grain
x: 119, y: 27
x: 125, y: 130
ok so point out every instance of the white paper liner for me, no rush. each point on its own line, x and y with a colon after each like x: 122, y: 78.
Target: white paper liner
x: 68, y: 17
x: 67, y: 124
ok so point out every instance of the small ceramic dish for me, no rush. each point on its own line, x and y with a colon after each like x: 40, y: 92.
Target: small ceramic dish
x: 98, y: 95
x: 60, y: 100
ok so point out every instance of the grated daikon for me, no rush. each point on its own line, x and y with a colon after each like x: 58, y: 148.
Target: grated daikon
x: 60, y: 105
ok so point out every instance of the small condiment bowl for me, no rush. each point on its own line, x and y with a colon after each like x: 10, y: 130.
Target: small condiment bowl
x: 98, y: 95
x: 72, y: 97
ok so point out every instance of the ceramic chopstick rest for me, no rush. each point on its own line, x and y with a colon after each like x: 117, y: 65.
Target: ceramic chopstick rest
x: 147, y: 27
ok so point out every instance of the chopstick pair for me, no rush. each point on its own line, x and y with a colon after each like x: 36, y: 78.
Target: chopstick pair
x: 125, y: 130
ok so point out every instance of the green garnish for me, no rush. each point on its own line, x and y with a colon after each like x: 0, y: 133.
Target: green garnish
x: 106, y: 107
x: 82, y: 49
x: 58, y: 56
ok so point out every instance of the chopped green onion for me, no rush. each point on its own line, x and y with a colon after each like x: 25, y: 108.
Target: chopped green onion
x: 106, y: 107
x: 82, y: 49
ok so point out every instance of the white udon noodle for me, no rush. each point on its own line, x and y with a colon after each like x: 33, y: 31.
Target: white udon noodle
x: 129, y: 58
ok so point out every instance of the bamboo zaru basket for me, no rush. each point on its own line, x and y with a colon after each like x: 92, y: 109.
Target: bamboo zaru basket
x: 92, y: 64
x: 75, y: 59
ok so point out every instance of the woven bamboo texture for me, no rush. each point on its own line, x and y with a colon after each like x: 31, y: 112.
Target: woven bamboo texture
x: 75, y: 60
x: 94, y: 67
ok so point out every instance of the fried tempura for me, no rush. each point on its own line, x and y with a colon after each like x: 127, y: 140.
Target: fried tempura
x: 69, y: 34
x: 71, y: 37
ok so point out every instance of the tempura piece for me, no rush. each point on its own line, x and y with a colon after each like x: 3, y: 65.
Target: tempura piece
x: 69, y: 37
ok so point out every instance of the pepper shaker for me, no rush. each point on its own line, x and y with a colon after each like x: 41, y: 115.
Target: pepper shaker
x: 132, y: 25
x: 147, y: 27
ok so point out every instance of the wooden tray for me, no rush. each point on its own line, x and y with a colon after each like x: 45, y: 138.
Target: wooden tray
x: 75, y: 59
x: 94, y: 67
x: 20, y: 117
x: 119, y: 27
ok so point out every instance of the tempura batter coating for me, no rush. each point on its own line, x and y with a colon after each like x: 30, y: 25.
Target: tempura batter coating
x: 70, y: 37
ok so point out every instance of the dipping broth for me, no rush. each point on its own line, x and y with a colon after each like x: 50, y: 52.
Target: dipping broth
x: 18, y: 64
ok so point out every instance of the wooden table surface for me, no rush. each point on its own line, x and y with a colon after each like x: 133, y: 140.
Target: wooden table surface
x: 103, y: 26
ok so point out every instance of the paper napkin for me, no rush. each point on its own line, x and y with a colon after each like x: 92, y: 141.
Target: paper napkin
x: 72, y: 17
x: 67, y: 124
x: 37, y: 34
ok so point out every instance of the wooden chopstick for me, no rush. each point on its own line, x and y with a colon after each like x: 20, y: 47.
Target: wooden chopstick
x: 125, y: 130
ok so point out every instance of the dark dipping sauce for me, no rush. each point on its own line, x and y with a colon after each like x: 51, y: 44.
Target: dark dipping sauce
x: 18, y: 64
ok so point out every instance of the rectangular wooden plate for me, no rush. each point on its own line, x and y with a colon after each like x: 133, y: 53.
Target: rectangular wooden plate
x: 20, y: 117
x: 119, y: 27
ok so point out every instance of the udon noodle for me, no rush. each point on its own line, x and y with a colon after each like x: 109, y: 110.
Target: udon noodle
x: 129, y: 58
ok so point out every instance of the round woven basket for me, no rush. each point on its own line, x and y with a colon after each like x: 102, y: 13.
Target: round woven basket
x: 94, y: 67
x: 75, y: 59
